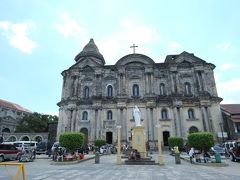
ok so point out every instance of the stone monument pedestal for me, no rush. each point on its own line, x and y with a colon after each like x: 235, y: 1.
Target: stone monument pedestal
x: 139, y: 140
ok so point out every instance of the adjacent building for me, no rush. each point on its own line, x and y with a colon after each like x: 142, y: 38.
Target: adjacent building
x: 10, y: 114
x: 179, y: 94
x: 231, y: 120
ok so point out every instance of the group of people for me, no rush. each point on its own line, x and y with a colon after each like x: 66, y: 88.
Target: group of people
x: 205, y: 156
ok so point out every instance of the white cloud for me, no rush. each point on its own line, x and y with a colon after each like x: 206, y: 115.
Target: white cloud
x: 71, y: 28
x: 224, y: 45
x: 17, y: 34
x: 118, y: 44
x: 217, y: 76
x: 229, y: 90
x: 52, y: 113
x: 226, y: 66
x: 174, y: 45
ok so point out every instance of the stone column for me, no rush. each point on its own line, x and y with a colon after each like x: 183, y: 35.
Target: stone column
x: 176, y: 117
x: 124, y: 124
x: 149, y: 124
x: 181, y: 121
x: 152, y: 83
x: 199, y: 81
x: 203, y: 81
x: 96, y: 124
x: 124, y: 84
x: 209, y: 119
x: 73, y: 121
x: 205, y: 119
x: 119, y: 83
x: 145, y: 81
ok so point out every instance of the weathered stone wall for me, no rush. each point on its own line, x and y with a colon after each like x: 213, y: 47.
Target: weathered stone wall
x: 188, y: 84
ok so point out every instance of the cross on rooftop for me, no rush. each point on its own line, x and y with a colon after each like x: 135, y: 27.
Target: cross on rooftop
x: 133, y: 46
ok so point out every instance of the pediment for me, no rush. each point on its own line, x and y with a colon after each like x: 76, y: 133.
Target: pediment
x: 135, y: 59
x: 83, y: 62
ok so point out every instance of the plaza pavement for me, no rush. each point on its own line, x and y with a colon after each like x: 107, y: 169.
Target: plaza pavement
x: 41, y: 169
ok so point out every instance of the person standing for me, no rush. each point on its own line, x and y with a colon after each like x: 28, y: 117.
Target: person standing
x: 191, y: 154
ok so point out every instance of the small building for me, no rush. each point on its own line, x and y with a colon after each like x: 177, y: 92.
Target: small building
x: 231, y: 119
x: 10, y: 114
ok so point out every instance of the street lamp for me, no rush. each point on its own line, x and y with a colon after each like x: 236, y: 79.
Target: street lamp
x: 221, y: 126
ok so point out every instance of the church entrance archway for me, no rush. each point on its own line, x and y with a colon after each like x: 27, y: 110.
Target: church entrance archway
x: 166, y: 135
x: 109, y: 137
x: 85, y: 132
x: 193, y: 129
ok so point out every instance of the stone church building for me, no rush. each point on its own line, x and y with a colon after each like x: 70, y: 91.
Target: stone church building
x: 179, y: 94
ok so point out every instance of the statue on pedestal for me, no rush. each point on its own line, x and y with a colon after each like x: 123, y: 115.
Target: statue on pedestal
x: 137, y: 116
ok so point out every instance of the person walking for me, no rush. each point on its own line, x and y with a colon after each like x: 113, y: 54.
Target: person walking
x: 191, y: 154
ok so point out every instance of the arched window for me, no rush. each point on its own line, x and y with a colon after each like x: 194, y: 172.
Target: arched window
x: 85, y: 115
x: 86, y: 92
x: 7, y: 130
x: 109, y: 115
x: 164, y: 114
x: 190, y: 114
x: 162, y: 89
x: 109, y: 91
x: 193, y: 129
x: 187, y: 87
x: 135, y: 90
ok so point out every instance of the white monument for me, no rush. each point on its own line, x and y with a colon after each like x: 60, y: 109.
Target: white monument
x: 137, y: 116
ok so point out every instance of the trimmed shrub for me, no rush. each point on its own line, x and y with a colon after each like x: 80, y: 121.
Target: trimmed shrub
x: 99, y: 142
x: 201, y: 140
x: 175, y: 141
x: 71, y: 140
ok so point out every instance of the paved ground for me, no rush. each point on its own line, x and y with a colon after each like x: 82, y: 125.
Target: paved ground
x: 41, y: 169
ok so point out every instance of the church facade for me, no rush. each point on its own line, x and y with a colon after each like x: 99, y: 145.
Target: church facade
x: 179, y: 94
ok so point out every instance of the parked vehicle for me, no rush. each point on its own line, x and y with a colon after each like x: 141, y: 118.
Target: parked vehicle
x: 217, y: 150
x: 9, y: 152
x: 235, y: 152
x: 42, y: 147
x: 22, y: 145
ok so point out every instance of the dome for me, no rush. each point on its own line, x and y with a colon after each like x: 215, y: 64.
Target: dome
x: 90, y: 50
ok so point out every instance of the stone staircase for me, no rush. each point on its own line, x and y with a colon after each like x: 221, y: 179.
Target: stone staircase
x: 141, y: 161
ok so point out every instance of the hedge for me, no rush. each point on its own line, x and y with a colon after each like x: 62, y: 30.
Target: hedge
x: 99, y: 142
x: 201, y: 140
x: 71, y: 140
x: 175, y: 141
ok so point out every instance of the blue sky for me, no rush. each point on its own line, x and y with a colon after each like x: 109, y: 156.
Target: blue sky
x: 40, y: 38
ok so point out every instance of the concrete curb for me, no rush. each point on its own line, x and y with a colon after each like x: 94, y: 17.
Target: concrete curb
x: 222, y: 164
x: 72, y: 162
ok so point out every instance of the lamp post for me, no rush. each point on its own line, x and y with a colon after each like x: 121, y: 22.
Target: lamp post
x: 221, y: 126
x: 160, y: 156
x: 119, y: 160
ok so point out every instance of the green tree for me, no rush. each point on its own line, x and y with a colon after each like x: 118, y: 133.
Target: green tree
x: 71, y: 140
x: 175, y: 141
x: 35, y: 122
x: 201, y: 140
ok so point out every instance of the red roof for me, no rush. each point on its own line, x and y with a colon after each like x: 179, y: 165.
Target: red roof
x: 13, y: 106
x: 235, y: 120
x: 231, y: 108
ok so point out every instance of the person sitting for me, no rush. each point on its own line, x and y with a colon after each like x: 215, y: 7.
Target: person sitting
x: 207, y: 157
x: 133, y: 155
x: 138, y: 156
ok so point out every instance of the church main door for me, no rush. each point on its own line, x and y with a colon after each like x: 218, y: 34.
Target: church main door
x: 109, y: 137
x: 166, y: 135
x: 85, y: 132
